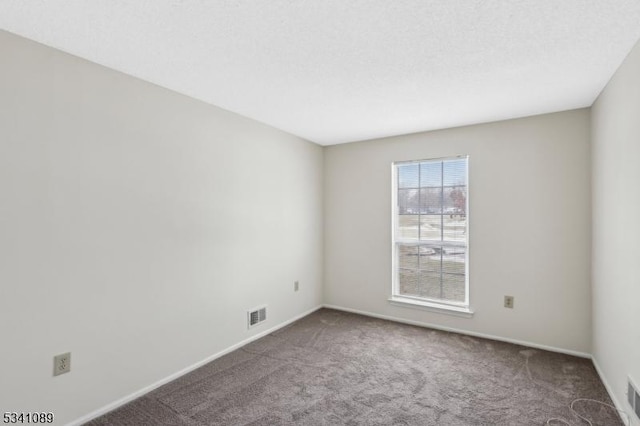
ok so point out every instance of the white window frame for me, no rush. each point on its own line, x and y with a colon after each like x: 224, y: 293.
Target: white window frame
x: 462, y: 309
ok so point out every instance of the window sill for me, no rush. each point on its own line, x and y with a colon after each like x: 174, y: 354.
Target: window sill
x: 457, y: 311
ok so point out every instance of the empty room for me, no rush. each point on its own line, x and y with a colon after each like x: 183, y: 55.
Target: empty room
x: 234, y: 212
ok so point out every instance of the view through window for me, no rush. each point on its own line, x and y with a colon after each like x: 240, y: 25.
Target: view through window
x: 431, y: 231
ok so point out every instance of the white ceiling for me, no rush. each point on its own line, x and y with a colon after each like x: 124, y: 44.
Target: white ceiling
x: 335, y: 71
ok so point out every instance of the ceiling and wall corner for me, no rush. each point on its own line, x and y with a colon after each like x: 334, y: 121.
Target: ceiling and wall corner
x: 332, y: 71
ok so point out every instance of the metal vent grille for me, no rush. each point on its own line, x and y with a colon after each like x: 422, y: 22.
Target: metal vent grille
x: 256, y: 316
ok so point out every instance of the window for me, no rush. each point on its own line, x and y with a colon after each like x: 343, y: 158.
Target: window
x: 430, y: 234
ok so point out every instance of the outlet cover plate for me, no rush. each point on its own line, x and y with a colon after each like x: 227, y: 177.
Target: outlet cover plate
x: 508, y: 302
x: 61, y: 364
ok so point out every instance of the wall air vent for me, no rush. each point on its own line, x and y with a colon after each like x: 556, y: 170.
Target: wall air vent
x: 256, y: 316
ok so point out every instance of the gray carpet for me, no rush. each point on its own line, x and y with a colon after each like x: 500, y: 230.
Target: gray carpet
x: 336, y: 368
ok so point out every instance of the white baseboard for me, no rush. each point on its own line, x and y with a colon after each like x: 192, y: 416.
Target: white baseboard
x: 612, y: 395
x: 461, y: 331
x: 120, y: 402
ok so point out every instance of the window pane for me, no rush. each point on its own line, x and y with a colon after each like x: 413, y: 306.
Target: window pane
x: 408, y: 282
x: 431, y: 286
x: 431, y: 174
x: 453, y: 287
x: 408, y: 201
x: 408, y: 226
x: 453, y: 260
x: 455, y: 172
x: 454, y: 227
x: 431, y: 227
x: 408, y: 175
x: 454, y: 200
x: 430, y: 258
x: 408, y: 257
x: 431, y: 200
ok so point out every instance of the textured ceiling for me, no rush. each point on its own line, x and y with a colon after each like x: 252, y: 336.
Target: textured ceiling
x: 335, y: 71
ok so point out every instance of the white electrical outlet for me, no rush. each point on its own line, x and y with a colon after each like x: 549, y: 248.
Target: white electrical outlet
x: 296, y: 286
x: 508, y: 302
x: 61, y: 364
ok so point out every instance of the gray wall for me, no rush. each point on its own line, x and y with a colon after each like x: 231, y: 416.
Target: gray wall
x: 137, y: 226
x: 529, y: 203
x: 616, y: 228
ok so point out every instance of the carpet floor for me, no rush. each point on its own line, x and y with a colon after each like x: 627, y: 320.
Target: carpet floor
x: 337, y: 368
